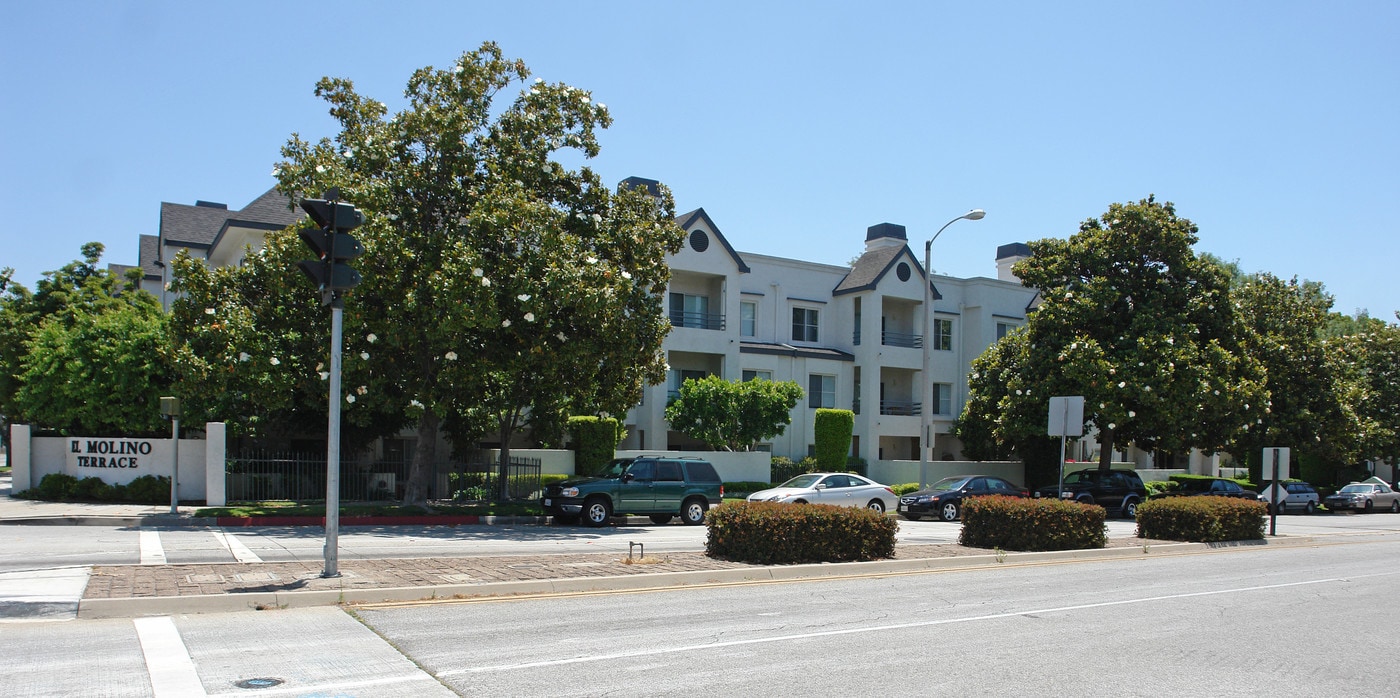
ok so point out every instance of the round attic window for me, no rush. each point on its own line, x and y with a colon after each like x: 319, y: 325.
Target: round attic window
x: 902, y: 271
x: 699, y: 241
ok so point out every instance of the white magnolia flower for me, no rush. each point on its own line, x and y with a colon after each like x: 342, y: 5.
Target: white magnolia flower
x: 208, y: 311
x: 364, y: 355
x: 1111, y: 425
x: 485, y: 281
x: 325, y: 375
x: 1132, y: 413
x: 350, y: 399
x: 371, y: 338
x: 591, y: 260
x: 561, y: 337
x: 523, y: 297
x: 1122, y: 384
x: 415, y: 403
x: 320, y: 168
x: 348, y: 153
x: 276, y: 171
x: 597, y: 218
x: 505, y: 323
x: 361, y: 390
x: 626, y: 275
x: 320, y: 367
x: 1018, y: 391
x: 450, y: 356
x: 602, y: 106
x: 243, y: 356
x: 539, y: 80
x: 477, y: 272
x: 275, y: 361
x: 457, y: 69
x: 529, y: 317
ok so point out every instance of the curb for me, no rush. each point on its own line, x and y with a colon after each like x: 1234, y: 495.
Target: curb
x: 223, y: 603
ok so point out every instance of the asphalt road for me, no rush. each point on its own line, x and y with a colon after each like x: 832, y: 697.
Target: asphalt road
x: 1303, y: 621
x: 48, y: 547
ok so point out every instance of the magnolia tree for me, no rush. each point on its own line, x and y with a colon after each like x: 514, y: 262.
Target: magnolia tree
x: 496, y: 280
x: 1133, y: 320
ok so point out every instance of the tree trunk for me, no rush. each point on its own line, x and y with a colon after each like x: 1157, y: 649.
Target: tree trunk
x: 506, y: 430
x: 1105, y: 450
x: 415, y: 493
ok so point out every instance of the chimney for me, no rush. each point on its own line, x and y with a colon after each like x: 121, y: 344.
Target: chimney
x: 1008, y: 255
x: 211, y: 204
x: 652, y: 186
x: 885, y: 235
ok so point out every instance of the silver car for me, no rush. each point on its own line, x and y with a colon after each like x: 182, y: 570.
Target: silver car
x: 840, y: 489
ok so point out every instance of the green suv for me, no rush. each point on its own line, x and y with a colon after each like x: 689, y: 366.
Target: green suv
x: 658, y: 486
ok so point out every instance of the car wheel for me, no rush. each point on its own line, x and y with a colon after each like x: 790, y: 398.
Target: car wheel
x: 876, y: 506
x: 693, y: 511
x: 911, y: 517
x: 659, y: 519
x: 1309, y: 508
x: 596, y: 512
x: 1369, y: 507
x: 949, y: 511
x: 1395, y: 507
x: 1130, y: 509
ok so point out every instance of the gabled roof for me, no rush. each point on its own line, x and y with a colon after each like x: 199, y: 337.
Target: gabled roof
x: 872, y: 266
x: 201, y: 225
x: 686, y: 220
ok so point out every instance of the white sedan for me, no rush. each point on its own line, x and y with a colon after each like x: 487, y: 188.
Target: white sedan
x: 840, y: 489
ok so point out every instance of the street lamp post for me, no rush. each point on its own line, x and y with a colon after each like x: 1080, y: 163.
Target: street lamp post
x: 926, y: 409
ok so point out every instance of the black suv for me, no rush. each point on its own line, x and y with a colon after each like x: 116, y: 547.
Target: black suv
x: 1115, y: 490
x: 658, y: 486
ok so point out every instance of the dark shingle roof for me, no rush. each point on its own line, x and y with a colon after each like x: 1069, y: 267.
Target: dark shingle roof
x: 148, y: 255
x: 201, y: 226
x: 872, y: 266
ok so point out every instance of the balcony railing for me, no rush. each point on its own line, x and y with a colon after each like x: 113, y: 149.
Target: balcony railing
x: 900, y: 408
x: 901, y: 339
x: 703, y: 321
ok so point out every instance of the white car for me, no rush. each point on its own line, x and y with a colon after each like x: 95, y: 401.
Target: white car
x: 840, y: 489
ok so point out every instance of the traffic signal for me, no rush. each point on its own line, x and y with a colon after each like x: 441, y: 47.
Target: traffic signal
x: 332, y: 244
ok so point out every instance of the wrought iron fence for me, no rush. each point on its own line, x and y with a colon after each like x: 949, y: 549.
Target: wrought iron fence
x: 300, y: 477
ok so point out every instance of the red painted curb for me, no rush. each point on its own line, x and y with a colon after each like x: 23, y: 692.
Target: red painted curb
x: 348, y: 520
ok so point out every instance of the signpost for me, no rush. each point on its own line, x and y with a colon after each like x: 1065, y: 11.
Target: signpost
x: 1276, y: 471
x: 1066, y: 419
x: 170, y: 407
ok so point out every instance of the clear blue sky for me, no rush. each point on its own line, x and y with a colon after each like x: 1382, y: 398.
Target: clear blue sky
x: 1272, y: 125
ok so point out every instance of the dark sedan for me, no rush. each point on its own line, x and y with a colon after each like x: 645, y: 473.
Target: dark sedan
x: 945, y: 497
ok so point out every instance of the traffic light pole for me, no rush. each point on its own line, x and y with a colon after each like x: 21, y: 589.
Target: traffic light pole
x: 333, y: 445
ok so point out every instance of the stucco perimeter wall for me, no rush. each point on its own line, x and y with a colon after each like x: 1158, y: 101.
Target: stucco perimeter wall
x: 733, y: 466
x: 899, y: 472
x: 552, y: 461
x: 118, y: 461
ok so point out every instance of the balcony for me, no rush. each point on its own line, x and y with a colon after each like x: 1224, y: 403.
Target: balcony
x: 703, y: 321
x: 901, y: 339
x: 900, y: 408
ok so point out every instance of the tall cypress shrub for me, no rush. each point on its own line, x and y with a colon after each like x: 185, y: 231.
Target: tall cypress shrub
x: 833, y: 429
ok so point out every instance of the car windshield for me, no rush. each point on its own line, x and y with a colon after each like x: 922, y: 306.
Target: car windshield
x: 615, y: 468
x: 1356, y: 489
x: 948, y: 483
x: 802, y: 481
x: 1083, y: 476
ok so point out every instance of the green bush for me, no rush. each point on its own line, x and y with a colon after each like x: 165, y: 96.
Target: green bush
x: 782, y: 469
x: 595, y: 442
x: 55, y: 487
x: 1033, y: 525
x: 905, y: 488
x: 1202, y: 519
x: 58, y: 487
x: 833, y: 429
x: 1158, y: 486
x: 476, y: 486
x: 94, y: 489
x: 1243, y: 482
x: 739, y: 489
x: 148, y: 489
x: 768, y: 533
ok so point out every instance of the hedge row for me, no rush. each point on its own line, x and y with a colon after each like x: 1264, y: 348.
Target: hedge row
x: 768, y: 533
x: 1032, y: 525
x: 1201, y: 519
x: 58, y: 487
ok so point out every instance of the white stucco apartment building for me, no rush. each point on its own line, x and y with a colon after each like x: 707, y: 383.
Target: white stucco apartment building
x: 850, y: 336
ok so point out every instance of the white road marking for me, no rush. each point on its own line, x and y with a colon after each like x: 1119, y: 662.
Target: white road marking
x: 240, y: 551
x: 168, y: 662
x: 882, y: 628
x: 151, y: 551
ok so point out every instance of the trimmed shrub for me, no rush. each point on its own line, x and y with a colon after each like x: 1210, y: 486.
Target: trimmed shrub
x: 595, y: 442
x: 833, y: 430
x: 55, y: 487
x: 744, y: 488
x: 58, y: 487
x: 148, y: 489
x: 1032, y: 525
x: 94, y: 489
x: 905, y: 488
x: 1202, y: 519
x: 769, y: 533
x: 1242, y: 482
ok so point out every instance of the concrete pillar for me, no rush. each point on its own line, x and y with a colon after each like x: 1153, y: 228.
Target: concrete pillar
x: 215, y: 462
x: 19, y: 458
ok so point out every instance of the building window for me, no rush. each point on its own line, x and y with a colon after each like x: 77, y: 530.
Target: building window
x: 943, y: 335
x: 821, y: 391
x: 1004, y: 328
x: 804, y: 324
x: 751, y: 374
x: 748, y: 312
x: 691, y: 311
x: 942, y: 399
x: 679, y: 377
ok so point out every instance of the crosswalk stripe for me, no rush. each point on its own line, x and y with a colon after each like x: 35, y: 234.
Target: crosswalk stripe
x: 240, y: 551
x: 168, y: 661
x: 151, y: 551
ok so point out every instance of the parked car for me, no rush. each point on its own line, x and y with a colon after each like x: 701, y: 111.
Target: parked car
x: 945, y: 497
x: 841, y: 489
x: 1293, y: 496
x: 659, y: 487
x: 1119, y: 491
x: 1219, y: 487
x: 1365, y: 497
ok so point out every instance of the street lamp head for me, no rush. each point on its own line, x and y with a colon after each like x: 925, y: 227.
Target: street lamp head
x: 975, y: 214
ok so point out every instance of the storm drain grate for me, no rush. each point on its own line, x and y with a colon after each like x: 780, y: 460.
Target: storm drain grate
x: 261, y: 682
